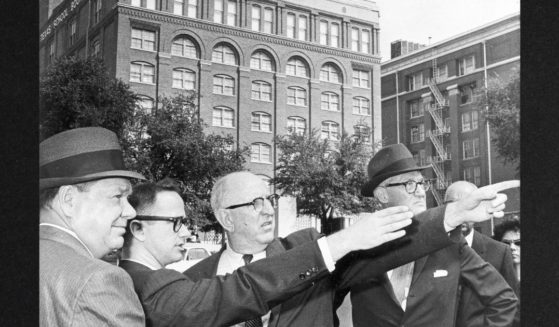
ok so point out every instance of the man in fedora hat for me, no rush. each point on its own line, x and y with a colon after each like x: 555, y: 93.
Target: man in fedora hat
x: 425, y: 292
x: 83, y: 215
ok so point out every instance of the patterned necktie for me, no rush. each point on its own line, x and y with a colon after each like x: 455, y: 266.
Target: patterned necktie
x: 256, y: 322
x: 401, y: 279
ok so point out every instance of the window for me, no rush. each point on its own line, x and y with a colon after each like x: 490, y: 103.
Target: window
x: 223, y: 117
x: 256, y: 18
x: 184, y: 79
x: 330, y: 130
x: 260, y: 152
x: 261, y: 91
x: 296, y: 67
x: 224, y: 54
x: 361, y: 106
x: 149, y: 4
x: 323, y: 33
x: 360, y: 78
x: 218, y: 11
x: 442, y: 73
x: 418, y: 133
x: 290, y: 25
x: 473, y: 175
x: 335, y: 35
x: 192, y: 8
x: 268, y: 20
x: 355, y: 39
x: 142, y: 72
x: 145, y: 103
x: 296, y: 96
x: 466, y: 65
x: 178, y: 8
x: 466, y: 93
x: 224, y: 84
x: 416, y: 110
x: 420, y: 158
x: 143, y: 39
x: 261, y: 122
x: 302, y: 32
x: 330, y: 73
x: 415, y: 81
x: 365, y: 41
x: 189, y: 10
x: 261, y: 60
x: 470, y: 148
x: 97, y: 5
x: 184, y: 47
x: 363, y: 133
x: 72, y: 31
x: 231, y: 12
x: 96, y: 48
x: 330, y: 101
x: 296, y: 125
x: 52, y: 50
x: 469, y: 121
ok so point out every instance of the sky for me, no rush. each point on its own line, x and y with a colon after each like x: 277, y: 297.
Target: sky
x: 417, y: 20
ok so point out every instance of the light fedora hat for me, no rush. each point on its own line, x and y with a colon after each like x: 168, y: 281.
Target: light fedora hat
x: 81, y: 155
x: 389, y: 161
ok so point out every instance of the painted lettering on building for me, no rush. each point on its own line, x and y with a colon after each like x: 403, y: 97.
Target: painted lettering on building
x: 59, y: 19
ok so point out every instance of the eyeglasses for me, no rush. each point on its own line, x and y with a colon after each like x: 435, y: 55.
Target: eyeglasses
x: 178, y: 222
x: 411, y: 185
x: 511, y: 242
x: 258, y: 203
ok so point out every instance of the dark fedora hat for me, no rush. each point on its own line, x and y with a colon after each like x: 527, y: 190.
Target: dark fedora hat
x: 81, y: 155
x: 389, y: 161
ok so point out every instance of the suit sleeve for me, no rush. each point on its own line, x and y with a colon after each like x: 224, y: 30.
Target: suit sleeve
x: 108, y: 299
x: 172, y: 299
x: 425, y: 235
x: 493, y: 291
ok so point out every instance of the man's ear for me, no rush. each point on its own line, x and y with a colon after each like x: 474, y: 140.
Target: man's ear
x: 225, y: 220
x: 137, y: 230
x: 381, y: 195
x: 66, y: 199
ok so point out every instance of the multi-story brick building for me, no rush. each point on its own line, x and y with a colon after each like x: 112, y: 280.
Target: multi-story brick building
x: 427, y: 103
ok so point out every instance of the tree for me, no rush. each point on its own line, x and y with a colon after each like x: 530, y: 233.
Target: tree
x: 325, y: 177
x: 501, y: 107
x: 170, y: 142
x: 79, y: 92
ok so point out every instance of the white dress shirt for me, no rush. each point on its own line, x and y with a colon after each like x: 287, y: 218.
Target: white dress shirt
x: 470, y: 237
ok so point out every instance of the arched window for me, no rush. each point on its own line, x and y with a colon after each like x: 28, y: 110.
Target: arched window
x: 224, y: 54
x: 261, y: 122
x: 142, y: 72
x: 145, y: 103
x: 184, y: 79
x: 223, y: 117
x: 363, y: 133
x: 330, y: 101
x: 261, y: 91
x: 330, y: 130
x: 296, y: 125
x: 330, y: 73
x: 297, y: 67
x: 184, y: 47
x: 224, y: 84
x: 261, y: 60
x: 361, y: 106
x: 296, y: 96
x: 260, y: 152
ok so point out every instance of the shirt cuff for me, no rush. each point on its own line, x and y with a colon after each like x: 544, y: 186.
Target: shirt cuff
x: 447, y: 227
x: 326, y: 255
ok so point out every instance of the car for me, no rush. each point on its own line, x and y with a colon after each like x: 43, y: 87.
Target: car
x: 195, y: 252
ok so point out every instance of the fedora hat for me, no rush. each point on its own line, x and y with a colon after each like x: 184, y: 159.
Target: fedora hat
x: 81, y: 155
x: 389, y: 161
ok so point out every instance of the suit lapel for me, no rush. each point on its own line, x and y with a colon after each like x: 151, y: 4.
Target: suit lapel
x: 388, y: 286
x: 418, y: 268
x: 479, y: 245
x: 274, y: 248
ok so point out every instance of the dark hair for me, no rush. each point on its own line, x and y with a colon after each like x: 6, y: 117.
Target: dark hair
x: 510, y: 224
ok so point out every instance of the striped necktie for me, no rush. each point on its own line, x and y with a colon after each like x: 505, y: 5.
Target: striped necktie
x: 256, y: 322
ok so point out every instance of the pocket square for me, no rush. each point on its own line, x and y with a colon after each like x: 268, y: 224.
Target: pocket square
x: 440, y: 273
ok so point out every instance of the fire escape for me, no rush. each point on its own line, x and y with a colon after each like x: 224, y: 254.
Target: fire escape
x: 437, y: 135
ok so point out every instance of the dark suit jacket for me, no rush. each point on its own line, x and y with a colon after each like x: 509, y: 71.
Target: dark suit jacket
x: 471, y: 310
x: 169, y: 298
x: 314, y: 306
x: 432, y: 301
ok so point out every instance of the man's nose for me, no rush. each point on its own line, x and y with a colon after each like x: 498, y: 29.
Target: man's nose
x: 268, y: 208
x: 128, y: 211
x: 184, y: 231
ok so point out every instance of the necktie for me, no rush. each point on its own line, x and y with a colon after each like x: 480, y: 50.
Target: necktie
x: 401, y: 279
x: 256, y: 322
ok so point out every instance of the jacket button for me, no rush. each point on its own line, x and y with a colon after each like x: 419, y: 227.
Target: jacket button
x: 314, y: 269
x: 308, y: 273
x: 302, y: 276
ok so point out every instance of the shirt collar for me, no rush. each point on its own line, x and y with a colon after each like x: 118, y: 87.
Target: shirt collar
x: 470, y: 237
x: 66, y: 230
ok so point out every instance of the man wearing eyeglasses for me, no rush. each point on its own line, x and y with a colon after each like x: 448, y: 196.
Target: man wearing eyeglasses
x: 423, y: 292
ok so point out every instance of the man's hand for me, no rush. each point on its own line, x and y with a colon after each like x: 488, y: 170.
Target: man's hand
x: 371, y: 230
x: 480, y: 205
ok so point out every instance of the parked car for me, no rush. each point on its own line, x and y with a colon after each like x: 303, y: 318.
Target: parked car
x: 195, y: 252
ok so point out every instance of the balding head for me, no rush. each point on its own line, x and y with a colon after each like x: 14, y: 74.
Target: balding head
x: 458, y: 190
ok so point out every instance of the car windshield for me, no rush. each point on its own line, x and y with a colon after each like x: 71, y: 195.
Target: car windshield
x: 197, y: 253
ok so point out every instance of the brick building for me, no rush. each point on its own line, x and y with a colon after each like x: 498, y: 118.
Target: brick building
x: 427, y: 98
x: 261, y: 67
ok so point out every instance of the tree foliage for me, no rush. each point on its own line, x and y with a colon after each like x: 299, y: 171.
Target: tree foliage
x: 501, y: 108
x: 79, y: 92
x: 170, y: 142
x: 325, y: 176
